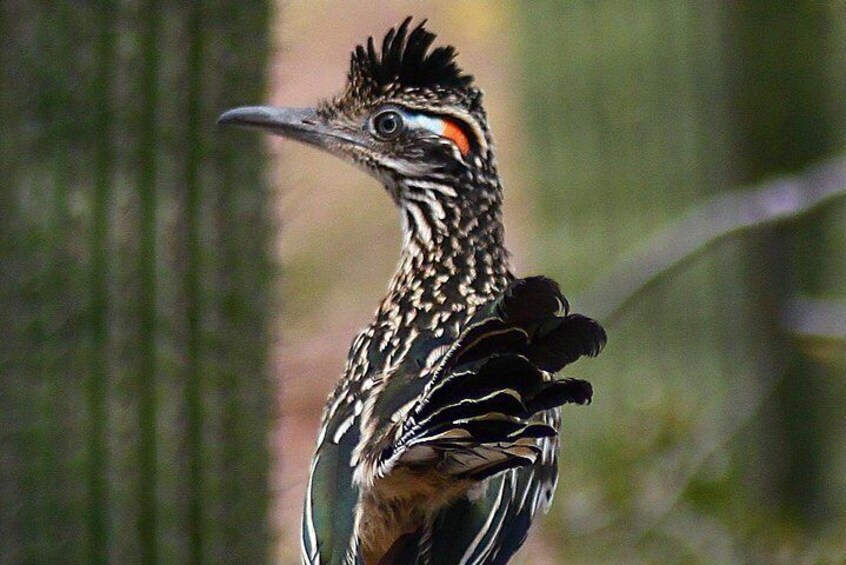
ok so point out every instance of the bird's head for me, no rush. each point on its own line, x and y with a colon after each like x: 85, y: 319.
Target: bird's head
x: 408, y: 115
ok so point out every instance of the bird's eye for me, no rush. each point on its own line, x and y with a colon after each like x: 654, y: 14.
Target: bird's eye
x: 388, y: 124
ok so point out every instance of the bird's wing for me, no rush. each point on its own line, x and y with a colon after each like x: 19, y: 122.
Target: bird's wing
x: 331, y: 497
x: 490, y: 529
x: 329, y: 513
x: 483, y: 530
x: 492, y: 406
x: 479, y: 414
x: 488, y: 411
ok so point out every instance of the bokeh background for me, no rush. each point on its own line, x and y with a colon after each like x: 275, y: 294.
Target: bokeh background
x: 177, y: 300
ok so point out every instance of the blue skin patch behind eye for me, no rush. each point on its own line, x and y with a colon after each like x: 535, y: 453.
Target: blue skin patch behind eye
x: 435, y: 125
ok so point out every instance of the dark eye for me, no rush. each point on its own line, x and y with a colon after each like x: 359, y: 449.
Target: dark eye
x: 388, y: 124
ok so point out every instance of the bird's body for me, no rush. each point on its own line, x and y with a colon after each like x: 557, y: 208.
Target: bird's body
x: 439, y: 443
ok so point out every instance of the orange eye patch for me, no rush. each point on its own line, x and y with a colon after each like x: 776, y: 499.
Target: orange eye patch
x: 454, y: 133
x: 443, y: 127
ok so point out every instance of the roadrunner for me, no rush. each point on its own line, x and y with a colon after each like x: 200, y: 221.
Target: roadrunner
x: 439, y: 444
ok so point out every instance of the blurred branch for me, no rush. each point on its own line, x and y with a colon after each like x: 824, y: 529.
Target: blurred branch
x: 820, y: 328
x: 812, y: 317
x: 725, y: 215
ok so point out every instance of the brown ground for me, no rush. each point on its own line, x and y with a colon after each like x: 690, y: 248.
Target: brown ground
x: 339, y: 234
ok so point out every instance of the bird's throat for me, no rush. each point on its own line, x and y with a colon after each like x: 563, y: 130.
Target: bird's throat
x: 453, y: 259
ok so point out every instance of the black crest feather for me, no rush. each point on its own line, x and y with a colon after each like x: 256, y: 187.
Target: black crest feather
x: 405, y: 61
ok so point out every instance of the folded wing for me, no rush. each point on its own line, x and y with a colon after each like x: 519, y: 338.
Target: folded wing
x: 477, y: 414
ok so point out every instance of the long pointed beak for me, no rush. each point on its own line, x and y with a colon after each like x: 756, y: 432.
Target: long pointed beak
x: 301, y: 124
x: 288, y: 122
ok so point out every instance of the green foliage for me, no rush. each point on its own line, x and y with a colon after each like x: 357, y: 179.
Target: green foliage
x: 634, y: 113
x: 134, y: 403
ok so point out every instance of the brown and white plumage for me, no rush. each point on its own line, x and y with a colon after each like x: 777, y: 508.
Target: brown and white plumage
x: 439, y: 443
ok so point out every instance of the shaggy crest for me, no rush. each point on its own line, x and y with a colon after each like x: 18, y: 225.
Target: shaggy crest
x: 405, y: 61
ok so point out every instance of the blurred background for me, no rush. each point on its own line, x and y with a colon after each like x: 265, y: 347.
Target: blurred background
x: 177, y: 301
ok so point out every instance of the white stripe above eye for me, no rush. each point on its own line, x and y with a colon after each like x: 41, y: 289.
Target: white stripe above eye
x: 435, y: 125
x: 474, y: 129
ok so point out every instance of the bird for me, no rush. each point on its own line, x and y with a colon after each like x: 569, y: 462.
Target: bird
x: 439, y: 443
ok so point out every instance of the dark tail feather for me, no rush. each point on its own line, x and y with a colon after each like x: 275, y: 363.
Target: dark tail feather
x: 564, y: 340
